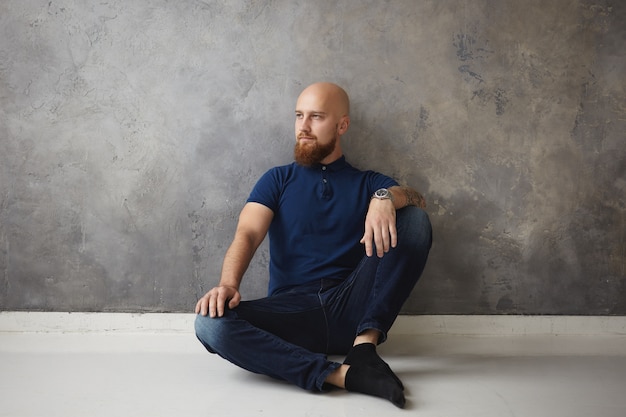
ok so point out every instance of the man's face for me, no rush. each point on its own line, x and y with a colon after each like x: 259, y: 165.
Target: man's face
x: 317, y: 129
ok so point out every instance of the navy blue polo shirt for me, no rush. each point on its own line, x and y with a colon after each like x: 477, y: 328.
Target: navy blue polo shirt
x: 319, y: 217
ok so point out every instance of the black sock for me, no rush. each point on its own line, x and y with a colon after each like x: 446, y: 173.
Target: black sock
x: 371, y: 381
x: 365, y: 355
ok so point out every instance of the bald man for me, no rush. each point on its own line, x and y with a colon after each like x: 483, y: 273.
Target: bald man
x: 346, y: 249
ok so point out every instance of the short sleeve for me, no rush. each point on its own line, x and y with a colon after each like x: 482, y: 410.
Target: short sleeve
x: 267, y: 190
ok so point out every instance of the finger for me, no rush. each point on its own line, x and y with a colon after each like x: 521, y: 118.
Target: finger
x: 367, y: 240
x: 212, y: 306
x: 386, y: 234
x: 234, y: 302
x: 221, y: 300
x: 379, y: 241
x: 201, y: 306
x: 394, y: 235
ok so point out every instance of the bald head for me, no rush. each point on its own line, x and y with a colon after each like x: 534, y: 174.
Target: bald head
x: 330, y: 97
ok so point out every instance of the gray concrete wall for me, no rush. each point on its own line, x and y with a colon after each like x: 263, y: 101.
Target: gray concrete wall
x: 132, y: 131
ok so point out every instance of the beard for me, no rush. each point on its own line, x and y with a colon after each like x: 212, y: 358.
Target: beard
x: 310, y: 154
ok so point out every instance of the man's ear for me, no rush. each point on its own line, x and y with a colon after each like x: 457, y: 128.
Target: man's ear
x: 344, y: 123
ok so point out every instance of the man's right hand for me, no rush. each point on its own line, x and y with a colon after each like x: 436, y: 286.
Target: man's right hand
x: 214, y: 301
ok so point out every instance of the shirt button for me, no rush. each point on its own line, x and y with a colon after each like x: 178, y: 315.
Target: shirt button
x: 323, y: 168
x: 324, y: 181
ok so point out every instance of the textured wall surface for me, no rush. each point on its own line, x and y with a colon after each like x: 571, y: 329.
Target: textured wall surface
x: 131, y: 133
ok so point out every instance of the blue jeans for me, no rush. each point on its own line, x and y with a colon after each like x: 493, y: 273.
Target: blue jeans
x: 289, y: 335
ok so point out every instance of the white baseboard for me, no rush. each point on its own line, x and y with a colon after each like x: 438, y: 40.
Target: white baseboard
x: 50, y: 322
x: 481, y: 325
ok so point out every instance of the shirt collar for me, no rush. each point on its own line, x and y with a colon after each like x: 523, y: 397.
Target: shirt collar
x: 335, y: 166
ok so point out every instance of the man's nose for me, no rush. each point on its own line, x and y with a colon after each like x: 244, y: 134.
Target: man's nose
x: 305, y: 125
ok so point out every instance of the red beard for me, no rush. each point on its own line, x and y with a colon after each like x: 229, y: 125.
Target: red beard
x: 309, y: 154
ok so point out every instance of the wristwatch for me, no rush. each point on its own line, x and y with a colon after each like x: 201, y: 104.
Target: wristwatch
x: 383, y: 194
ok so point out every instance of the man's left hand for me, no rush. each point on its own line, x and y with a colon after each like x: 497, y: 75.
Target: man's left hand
x: 380, y: 228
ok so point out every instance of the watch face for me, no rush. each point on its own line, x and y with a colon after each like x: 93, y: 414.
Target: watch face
x: 382, y: 193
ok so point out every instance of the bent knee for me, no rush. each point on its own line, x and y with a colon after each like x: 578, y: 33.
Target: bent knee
x: 210, y: 331
x: 414, y: 228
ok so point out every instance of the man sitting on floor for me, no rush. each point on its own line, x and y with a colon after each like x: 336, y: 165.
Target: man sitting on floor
x: 327, y: 295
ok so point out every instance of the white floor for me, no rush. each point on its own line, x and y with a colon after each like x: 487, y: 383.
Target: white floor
x: 111, y: 373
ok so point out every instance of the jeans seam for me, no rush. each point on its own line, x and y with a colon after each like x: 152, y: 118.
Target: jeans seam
x: 323, y: 307
x: 345, y: 287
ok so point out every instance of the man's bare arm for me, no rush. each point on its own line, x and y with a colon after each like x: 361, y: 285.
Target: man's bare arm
x: 254, y: 222
x: 406, y: 196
